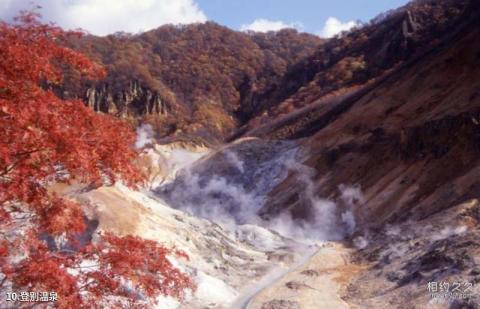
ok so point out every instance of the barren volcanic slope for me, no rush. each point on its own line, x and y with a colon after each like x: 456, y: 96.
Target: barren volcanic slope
x: 404, y: 138
x: 410, y: 141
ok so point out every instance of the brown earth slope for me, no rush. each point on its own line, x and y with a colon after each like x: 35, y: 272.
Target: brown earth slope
x: 412, y: 141
x: 354, y: 58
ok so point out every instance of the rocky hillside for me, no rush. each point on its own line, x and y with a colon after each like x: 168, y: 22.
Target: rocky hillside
x: 198, y: 79
x: 413, y: 132
x: 409, y: 140
x: 363, y: 55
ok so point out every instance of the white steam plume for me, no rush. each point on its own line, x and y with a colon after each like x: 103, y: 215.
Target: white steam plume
x: 235, y: 197
x: 145, y: 136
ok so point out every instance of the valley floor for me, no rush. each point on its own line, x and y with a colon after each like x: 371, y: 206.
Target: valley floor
x: 317, y: 283
x: 256, y: 268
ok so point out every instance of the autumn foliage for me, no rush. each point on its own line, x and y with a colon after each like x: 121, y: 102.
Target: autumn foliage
x: 45, y: 139
x: 202, y: 72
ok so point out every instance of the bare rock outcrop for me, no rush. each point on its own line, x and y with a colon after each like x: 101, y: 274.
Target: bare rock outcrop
x: 134, y: 100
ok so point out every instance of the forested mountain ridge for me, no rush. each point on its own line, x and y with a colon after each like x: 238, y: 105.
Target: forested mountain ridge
x: 193, y: 79
x: 208, y: 81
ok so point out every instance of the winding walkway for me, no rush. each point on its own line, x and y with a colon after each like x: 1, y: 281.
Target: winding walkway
x: 316, y: 282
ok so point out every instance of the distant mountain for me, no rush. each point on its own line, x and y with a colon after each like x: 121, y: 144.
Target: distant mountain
x: 208, y: 81
x: 197, y: 79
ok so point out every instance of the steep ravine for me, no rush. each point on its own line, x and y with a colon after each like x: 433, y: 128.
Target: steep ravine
x: 233, y: 255
x: 243, y: 258
x: 349, y: 266
x: 343, y: 265
x: 230, y: 185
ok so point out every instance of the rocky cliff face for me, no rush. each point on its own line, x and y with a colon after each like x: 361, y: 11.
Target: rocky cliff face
x: 134, y: 100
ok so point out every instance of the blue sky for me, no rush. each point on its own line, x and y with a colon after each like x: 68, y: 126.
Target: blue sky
x: 312, y: 14
x: 101, y: 17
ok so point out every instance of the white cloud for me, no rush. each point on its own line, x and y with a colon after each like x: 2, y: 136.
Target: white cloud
x: 334, y: 26
x: 265, y: 25
x: 109, y: 16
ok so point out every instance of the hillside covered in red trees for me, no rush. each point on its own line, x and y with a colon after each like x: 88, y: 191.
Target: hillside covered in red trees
x: 200, y: 78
